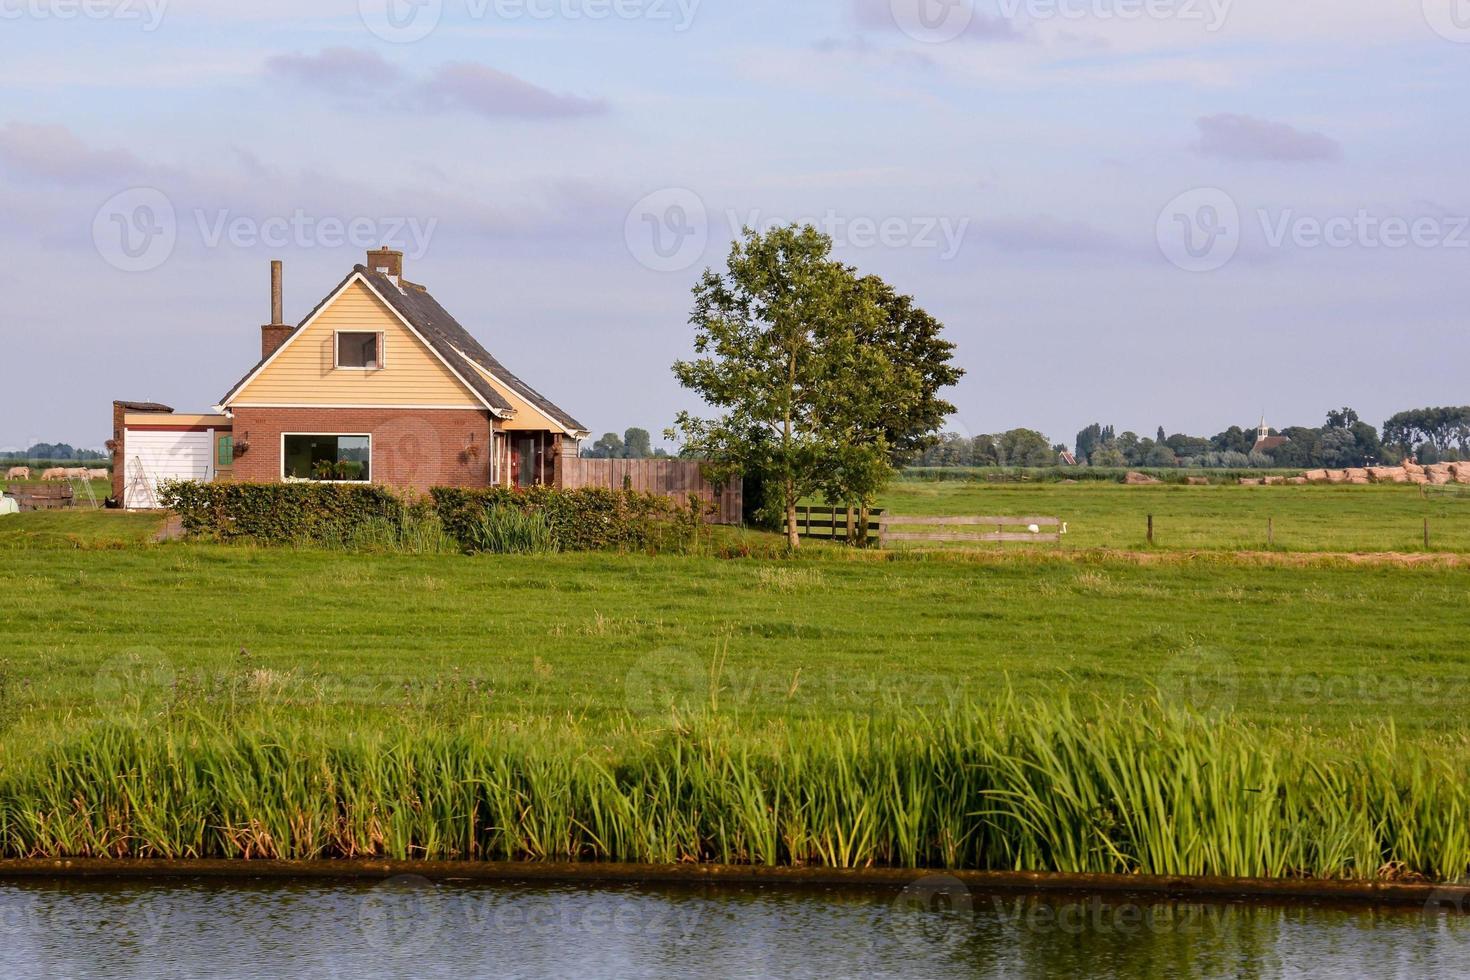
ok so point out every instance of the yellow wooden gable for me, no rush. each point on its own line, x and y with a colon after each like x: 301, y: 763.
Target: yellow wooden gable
x: 527, y: 416
x: 304, y: 371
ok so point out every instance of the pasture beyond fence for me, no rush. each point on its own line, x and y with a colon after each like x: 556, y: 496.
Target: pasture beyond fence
x: 678, y: 478
x: 840, y: 524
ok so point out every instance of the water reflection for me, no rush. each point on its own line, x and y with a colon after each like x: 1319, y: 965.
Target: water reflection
x: 408, y: 927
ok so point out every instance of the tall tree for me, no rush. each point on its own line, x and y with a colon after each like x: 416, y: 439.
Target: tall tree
x: 637, y: 444
x: 607, y: 447
x: 919, y: 355
x: 777, y: 351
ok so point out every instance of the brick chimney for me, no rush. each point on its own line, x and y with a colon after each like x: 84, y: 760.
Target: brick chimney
x: 274, y: 334
x: 387, y: 261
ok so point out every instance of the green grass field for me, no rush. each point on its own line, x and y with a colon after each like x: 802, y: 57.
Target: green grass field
x: 1219, y: 518
x: 1302, y: 713
x: 1321, y: 643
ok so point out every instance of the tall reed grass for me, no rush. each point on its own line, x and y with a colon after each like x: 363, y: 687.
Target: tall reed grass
x: 512, y: 531
x: 1033, y: 786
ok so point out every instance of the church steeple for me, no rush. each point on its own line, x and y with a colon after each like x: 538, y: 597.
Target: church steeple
x: 1264, y: 432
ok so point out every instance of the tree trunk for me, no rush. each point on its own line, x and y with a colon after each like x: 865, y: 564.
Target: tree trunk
x: 793, y: 540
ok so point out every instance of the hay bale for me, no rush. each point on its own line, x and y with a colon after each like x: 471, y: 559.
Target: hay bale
x: 1353, y: 475
x: 1248, y: 482
x: 1411, y: 467
x: 1275, y: 481
x: 1198, y: 481
x: 1317, y: 476
x: 1439, y: 478
x: 1140, y: 480
x: 1461, y: 472
x: 1360, y: 481
x: 1388, y: 474
x: 1298, y: 481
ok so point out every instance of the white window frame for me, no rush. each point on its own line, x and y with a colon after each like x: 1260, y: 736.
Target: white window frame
x: 337, y: 364
x: 372, y: 466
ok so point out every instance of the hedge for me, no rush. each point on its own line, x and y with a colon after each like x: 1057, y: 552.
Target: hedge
x: 279, y: 513
x: 589, y: 519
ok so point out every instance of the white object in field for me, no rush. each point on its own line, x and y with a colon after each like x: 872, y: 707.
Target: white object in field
x: 155, y: 456
x: 1064, y: 527
x: 1034, y: 529
x: 8, y: 506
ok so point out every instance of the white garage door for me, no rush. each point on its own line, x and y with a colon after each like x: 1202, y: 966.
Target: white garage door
x: 163, y: 456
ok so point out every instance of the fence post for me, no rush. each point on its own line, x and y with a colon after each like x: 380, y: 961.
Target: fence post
x: 1426, y: 534
x: 1150, y: 530
x: 1270, y: 532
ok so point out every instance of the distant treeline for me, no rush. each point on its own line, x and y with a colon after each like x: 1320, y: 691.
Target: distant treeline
x: 43, y: 452
x: 632, y: 444
x: 1431, y: 435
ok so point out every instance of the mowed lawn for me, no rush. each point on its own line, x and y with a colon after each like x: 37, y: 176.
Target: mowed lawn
x: 607, y: 641
x: 1228, y: 518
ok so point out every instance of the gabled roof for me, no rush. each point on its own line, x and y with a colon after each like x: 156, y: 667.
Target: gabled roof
x: 415, y: 304
x: 443, y: 334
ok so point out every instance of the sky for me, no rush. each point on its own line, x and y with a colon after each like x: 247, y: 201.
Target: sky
x: 1177, y: 213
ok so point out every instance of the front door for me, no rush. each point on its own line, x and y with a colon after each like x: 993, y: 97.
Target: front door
x: 524, y: 461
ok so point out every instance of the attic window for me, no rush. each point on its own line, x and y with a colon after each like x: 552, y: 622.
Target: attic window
x: 363, y: 351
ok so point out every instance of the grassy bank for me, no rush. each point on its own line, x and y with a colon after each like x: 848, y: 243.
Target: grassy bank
x: 1017, y: 786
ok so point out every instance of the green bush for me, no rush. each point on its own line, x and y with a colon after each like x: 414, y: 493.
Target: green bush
x: 590, y: 519
x: 369, y: 517
x: 283, y: 513
x: 505, y: 530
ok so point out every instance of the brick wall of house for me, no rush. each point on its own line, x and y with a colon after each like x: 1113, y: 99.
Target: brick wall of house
x: 417, y: 449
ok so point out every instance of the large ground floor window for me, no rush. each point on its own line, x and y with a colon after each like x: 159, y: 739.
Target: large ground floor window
x: 340, y: 459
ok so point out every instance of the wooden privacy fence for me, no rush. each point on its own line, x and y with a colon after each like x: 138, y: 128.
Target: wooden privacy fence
x: 42, y: 496
x: 832, y: 523
x: 677, y: 478
x: 970, y: 530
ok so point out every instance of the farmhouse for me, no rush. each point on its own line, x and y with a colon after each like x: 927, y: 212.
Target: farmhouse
x: 379, y: 383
